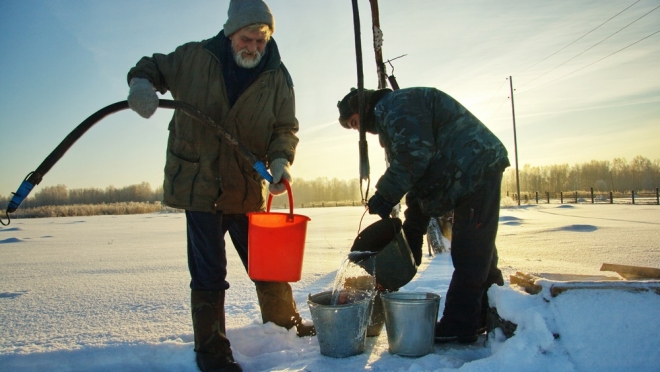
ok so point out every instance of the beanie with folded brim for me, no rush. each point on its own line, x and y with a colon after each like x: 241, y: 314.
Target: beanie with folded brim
x: 243, y: 13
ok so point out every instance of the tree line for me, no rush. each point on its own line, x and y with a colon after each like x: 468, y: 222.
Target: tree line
x: 61, y: 195
x: 618, y: 175
x: 304, y: 191
x: 321, y: 190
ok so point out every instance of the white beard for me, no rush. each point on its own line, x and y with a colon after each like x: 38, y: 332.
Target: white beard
x: 247, y: 62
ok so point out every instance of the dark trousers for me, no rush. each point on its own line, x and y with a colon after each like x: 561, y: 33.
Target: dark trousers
x: 207, y: 258
x: 474, y: 256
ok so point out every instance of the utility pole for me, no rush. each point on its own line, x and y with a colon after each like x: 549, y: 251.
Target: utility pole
x: 515, y: 140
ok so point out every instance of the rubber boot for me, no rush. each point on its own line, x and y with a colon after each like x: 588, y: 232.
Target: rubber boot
x: 212, y: 348
x: 461, y: 317
x: 494, y: 277
x: 277, y: 306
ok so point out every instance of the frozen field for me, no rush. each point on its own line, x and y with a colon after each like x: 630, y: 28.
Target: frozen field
x: 111, y: 293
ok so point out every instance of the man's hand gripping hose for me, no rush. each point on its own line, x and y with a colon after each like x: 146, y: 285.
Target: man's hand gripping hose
x: 35, y: 177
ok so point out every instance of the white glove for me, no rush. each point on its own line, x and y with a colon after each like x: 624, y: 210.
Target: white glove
x: 142, y: 97
x: 279, y: 168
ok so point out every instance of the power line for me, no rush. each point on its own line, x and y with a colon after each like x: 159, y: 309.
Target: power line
x: 490, y: 116
x: 494, y: 94
x: 584, y: 51
x: 582, y: 68
x: 574, y: 41
x: 497, y: 91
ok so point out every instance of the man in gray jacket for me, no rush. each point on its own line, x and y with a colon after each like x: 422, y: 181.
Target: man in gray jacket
x: 237, y: 78
x: 442, y: 158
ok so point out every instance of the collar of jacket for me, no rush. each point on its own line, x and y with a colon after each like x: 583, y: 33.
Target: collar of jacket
x: 273, y: 60
x: 372, y: 100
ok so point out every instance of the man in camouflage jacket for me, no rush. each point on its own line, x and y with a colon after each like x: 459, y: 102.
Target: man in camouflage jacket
x: 442, y: 158
x: 237, y: 78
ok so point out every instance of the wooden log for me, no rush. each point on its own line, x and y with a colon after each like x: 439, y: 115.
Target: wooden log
x: 533, y: 284
x: 632, y: 272
x: 625, y: 285
x: 526, y: 282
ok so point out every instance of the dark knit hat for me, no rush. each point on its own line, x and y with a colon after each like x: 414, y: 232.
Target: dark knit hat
x: 345, y: 109
x: 349, y: 104
x: 243, y: 13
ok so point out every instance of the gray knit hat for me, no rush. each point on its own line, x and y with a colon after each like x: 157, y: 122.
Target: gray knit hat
x: 243, y: 13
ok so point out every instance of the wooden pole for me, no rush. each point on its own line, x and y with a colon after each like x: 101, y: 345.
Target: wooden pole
x: 378, y: 43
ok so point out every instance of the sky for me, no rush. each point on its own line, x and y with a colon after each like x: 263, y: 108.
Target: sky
x: 110, y: 293
x: 585, y: 74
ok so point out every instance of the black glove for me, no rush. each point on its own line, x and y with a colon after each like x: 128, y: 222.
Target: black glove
x: 378, y: 205
x: 414, y: 227
x: 415, y: 243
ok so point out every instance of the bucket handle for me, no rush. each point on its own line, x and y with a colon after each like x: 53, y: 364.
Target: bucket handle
x: 289, y: 218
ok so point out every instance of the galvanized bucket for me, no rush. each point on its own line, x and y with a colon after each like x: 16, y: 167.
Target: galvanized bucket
x: 377, y: 317
x: 410, y: 319
x: 395, y: 265
x: 340, y: 329
x: 365, y: 283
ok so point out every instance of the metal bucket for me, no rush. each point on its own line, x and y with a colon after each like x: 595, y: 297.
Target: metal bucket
x: 366, y: 283
x: 340, y: 329
x: 395, y: 265
x: 410, y: 319
x: 377, y: 317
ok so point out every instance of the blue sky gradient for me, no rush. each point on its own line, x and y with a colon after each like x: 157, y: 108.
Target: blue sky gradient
x: 62, y: 60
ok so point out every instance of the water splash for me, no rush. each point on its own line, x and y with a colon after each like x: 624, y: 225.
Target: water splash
x: 359, y: 256
x: 356, y: 274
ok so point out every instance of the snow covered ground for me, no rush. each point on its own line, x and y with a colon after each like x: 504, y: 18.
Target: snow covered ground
x: 110, y: 293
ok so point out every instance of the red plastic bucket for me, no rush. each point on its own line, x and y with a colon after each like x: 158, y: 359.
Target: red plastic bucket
x: 276, y: 243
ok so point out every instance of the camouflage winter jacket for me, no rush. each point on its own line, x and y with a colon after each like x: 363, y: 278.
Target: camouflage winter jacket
x: 202, y: 171
x: 438, y: 151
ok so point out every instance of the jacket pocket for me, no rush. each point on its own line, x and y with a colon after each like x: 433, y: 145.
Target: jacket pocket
x: 241, y: 194
x: 256, y: 193
x: 180, y: 177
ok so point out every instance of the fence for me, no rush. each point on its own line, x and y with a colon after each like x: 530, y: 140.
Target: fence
x: 346, y: 203
x: 575, y: 197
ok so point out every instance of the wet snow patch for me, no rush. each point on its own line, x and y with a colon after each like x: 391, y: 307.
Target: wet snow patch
x: 510, y: 220
x: 578, y: 228
x: 10, y: 240
x: 12, y: 294
x: 11, y: 229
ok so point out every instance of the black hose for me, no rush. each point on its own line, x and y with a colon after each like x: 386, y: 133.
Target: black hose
x: 34, y: 178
